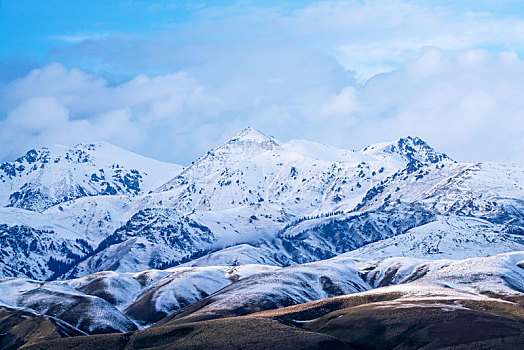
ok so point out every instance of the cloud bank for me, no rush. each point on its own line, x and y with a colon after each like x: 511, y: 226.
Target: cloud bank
x: 343, y: 73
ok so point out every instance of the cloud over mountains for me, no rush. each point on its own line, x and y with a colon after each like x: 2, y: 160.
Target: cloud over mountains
x: 346, y: 73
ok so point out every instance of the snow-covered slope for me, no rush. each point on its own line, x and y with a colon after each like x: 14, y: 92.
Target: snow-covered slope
x: 255, y: 199
x: 88, y: 313
x: 501, y: 275
x: 112, y: 302
x: 447, y: 237
x: 183, y: 287
x: 487, y: 190
x: 49, y: 176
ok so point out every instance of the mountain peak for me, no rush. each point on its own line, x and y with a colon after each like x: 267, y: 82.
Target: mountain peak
x: 95, y: 145
x: 410, y: 148
x: 52, y: 175
x: 246, y: 144
x: 248, y: 141
x: 251, y: 134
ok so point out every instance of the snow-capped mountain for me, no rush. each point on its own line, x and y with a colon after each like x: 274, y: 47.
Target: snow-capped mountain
x: 254, y: 224
x: 37, y: 240
x: 49, y: 176
x: 298, y: 177
x: 254, y: 199
x: 410, y: 149
x: 253, y: 186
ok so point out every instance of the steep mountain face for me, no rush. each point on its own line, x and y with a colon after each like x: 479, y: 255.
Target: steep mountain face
x: 152, y: 238
x: 26, y: 251
x: 250, y: 189
x: 49, y: 176
x: 256, y: 200
x: 36, y: 246
x: 409, y: 149
x: 324, y: 238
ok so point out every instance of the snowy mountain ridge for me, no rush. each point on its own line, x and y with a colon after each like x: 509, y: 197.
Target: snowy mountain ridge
x: 49, y: 176
x: 253, y: 199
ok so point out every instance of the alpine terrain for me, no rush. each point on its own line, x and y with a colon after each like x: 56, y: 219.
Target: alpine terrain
x: 261, y: 244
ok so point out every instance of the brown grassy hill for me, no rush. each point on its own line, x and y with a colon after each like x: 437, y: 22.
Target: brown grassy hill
x: 398, y: 317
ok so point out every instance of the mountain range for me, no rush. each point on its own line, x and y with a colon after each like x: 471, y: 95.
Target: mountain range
x: 96, y: 242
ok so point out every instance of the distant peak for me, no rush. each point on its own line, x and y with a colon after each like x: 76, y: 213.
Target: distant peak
x: 250, y: 134
x: 247, y: 143
x: 411, y: 148
x: 417, y: 141
x: 95, y: 145
x: 249, y: 138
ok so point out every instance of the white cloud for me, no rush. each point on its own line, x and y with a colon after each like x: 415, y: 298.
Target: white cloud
x: 344, y: 103
x: 37, y: 114
x: 468, y: 104
x: 59, y: 105
x: 345, y: 73
x: 377, y: 36
x: 367, y: 37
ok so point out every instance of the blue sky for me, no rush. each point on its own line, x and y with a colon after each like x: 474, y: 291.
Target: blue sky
x: 170, y: 79
x: 35, y: 29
